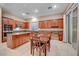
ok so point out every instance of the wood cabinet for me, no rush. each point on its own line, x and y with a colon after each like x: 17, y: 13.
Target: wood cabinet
x: 60, y: 23
x: 60, y: 36
x: 25, y: 25
x: 54, y: 23
x: 8, y: 21
x: 57, y: 35
x: 17, y: 40
x: 14, y: 24
x: 17, y: 22
x: 42, y: 24
x: 49, y: 24
x: 5, y: 20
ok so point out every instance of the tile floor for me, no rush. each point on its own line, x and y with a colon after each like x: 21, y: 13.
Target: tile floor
x: 58, y: 48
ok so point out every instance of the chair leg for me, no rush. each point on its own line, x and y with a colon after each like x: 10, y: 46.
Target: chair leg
x: 36, y: 49
x: 31, y: 47
x: 49, y: 46
x: 33, y: 51
x: 39, y: 51
x: 45, y: 50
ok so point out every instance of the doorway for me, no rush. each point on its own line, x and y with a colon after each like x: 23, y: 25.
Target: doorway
x: 71, y: 22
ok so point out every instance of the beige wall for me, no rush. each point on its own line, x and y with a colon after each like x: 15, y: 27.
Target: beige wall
x: 51, y: 17
x: 0, y: 25
x: 13, y: 17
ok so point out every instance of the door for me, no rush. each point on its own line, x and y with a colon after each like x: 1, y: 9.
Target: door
x: 69, y: 28
x: 74, y: 27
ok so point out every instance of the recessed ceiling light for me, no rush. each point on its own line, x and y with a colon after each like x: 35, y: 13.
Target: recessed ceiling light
x: 54, y: 6
x: 36, y: 11
x: 34, y: 19
x: 23, y: 14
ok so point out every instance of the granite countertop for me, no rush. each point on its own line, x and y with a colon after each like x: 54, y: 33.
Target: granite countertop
x: 55, y: 29
x: 19, y: 33
x: 24, y: 31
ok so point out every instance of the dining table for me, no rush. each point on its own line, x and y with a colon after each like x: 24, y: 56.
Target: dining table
x: 43, y: 39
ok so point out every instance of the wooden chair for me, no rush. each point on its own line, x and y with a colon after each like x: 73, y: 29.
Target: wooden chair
x: 37, y: 44
x: 46, y: 35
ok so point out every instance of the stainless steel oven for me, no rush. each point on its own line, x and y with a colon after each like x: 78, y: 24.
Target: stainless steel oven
x: 6, y: 29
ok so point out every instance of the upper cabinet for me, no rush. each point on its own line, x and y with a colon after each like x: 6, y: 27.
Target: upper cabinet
x: 14, y: 24
x: 42, y: 24
x: 8, y: 21
x: 25, y: 25
x: 54, y: 23
x: 49, y: 24
x: 60, y: 23
x: 5, y: 20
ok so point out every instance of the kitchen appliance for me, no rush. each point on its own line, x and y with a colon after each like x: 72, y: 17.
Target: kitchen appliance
x: 6, y: 29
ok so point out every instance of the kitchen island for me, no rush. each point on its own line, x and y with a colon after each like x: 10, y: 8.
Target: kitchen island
x: 18, y: 37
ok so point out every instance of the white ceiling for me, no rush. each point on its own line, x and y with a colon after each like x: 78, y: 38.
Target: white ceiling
x: 17, y: 9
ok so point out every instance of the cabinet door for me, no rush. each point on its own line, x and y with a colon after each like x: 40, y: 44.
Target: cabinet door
x: 23, y: 25
x: 27, y: 25
x: 14, y: 42
x: 17, y: 22
x: 54, y: 22
x: 10, y: 21
x: 61, y: 36
x: 14, y: 24
x: 49, y: 23
x: 5, y: 21
x: 42, y: 24
x: 60, y: 23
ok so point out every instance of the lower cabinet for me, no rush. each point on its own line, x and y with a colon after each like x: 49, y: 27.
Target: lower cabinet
x: 57, y: 36
x: 18, y: 40
x: 61, y: 36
